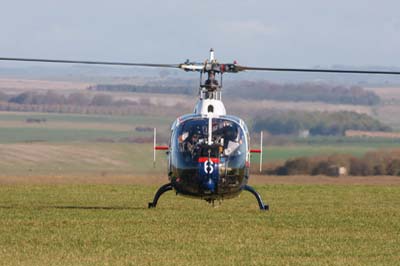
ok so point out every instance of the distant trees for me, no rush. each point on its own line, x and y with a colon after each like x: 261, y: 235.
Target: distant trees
x: 23, y: 98
x: 4, y: 97
x: 372, y: 163
x: 317, y: 123
x: 307, y: 91
x: 83, y: 103
x: 188, y: 89
x: 264, y: 90
x: 52, y: 98
x: 102, y: 100
x: 79, y: 99
x: 36, y: 98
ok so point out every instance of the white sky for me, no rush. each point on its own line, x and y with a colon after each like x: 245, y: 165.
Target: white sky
x: 262, y: 33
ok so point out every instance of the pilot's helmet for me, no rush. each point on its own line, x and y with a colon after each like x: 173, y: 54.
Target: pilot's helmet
x: 230, y: 132
x: 197, y: 130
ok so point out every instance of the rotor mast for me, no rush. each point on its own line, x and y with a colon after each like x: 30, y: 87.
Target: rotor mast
x: 210, y: 88
x: 210, y: 103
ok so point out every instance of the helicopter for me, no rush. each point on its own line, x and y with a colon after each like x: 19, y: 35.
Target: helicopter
x: 209, y: 150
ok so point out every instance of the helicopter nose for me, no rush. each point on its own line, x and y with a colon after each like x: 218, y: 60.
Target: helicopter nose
x: 210, y: 185
x: 209, y: 173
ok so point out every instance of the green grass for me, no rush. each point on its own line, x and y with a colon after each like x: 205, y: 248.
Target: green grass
x: 345, y: 141
x: 93, y: 158
x: 82, y: 118
x: 316, y: 146
x: 83, y: 132
x: 14, y: 135
x: 110, y: 225
x: 79, y: 158
x: 79, y: 127
x: 280, y: 153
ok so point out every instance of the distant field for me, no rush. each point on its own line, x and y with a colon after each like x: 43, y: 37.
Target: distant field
x: 274, y: 153
x: 388, y: 111
x: 71, y: 144
x: 388, y: 94
x: 20, y: 85
x: 73, y: 127
x: 111, y: 225
x: 82, y: 118
x: 78, y: 158
x: 92, y: 158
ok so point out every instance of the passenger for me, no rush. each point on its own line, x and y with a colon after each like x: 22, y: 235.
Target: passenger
x: 231, y: 140
x: 183, y: 137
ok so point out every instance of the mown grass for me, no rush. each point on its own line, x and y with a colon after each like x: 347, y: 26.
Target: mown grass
x: 79, y: 158
x: 110, y: 225
x: 95, y: 158
x: 84, y: 118
x: 98, y: 144
x: 277, y: 153
x: 75, y: 127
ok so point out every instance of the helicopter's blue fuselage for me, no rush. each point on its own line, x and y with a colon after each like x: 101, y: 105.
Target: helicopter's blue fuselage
x: 207, y: 169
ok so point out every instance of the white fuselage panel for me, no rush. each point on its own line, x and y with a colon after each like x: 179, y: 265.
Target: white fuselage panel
x: 209, y: 107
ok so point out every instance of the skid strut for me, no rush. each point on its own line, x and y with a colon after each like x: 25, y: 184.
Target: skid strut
x: 160, y: 191
x: 261, y: 204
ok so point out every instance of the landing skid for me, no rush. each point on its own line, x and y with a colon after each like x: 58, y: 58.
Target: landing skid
x: 168, y: 187
x: 160, y: 191
x: 261, y: 204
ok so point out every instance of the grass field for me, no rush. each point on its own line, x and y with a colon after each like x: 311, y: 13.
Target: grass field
x: 72, y: 144
x: 67, y: 198
x: 72, y: 127
x: 110, y: 225
x: 97, y: 158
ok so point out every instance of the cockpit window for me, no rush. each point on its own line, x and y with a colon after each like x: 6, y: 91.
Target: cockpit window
x: 227, y: 134
x: 227, y: 139
x: 191, y: 134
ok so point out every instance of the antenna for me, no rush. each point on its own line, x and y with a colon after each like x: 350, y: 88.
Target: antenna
x: 154, y: 147
x: 157, y: 148
x: 212, y: 57
x: 261, y: 150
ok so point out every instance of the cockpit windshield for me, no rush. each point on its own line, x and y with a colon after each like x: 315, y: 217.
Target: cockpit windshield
x: 192, y: 140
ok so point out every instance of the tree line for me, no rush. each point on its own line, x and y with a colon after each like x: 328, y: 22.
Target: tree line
x: 186, y: 90
x: 316, y: 123
x: 372, y: 163
x: 52, y: 98
x: 79, y: 103
x: 264, y: 90
x: 306, y: 91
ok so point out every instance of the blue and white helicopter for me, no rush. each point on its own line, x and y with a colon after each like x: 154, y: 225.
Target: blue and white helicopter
x: 209, y: 151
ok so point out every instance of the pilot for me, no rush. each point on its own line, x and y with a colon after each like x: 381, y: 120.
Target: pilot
x: 191, y: 142
x: 231, y: 133
x: 212, y: 85
x: 183, y: 136
x: 231, y: 140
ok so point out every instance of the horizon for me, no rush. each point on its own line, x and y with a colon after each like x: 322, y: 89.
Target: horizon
x: 267, y: 33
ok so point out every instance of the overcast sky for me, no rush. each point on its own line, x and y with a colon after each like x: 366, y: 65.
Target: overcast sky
x: 263, y: 33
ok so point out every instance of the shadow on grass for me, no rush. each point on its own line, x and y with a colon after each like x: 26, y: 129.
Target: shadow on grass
x: 70, y: 207
x: 97, y: 207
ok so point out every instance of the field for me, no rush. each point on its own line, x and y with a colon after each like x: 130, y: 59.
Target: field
x: 80, y: 158
x: 74, y: 191
x: 101, y: 145
x: 72, y: 127
x: 110, y: 225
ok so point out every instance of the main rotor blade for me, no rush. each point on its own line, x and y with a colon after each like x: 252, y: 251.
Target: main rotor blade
x: 88, y: 62
x: 243, y: 68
